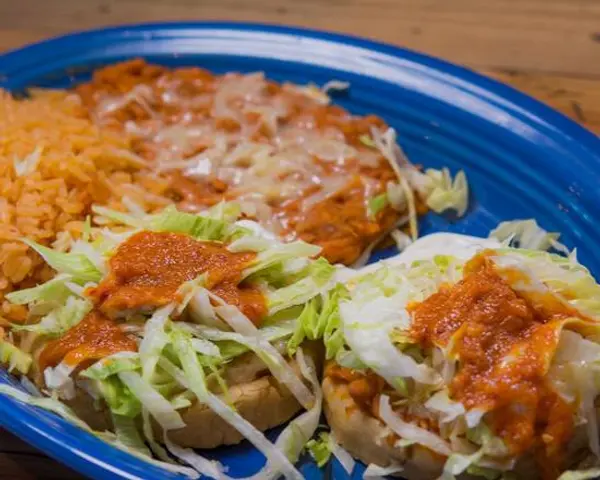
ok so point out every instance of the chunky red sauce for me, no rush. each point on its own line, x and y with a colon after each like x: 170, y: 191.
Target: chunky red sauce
x: 151, y: 101
x: 92, y: 339
x: 504, y: 345
x: 149, y: 267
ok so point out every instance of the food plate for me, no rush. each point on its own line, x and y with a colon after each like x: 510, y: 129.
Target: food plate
x: 523, y: 160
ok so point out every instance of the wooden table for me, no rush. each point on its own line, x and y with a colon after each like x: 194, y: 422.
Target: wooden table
x: 547, y: 48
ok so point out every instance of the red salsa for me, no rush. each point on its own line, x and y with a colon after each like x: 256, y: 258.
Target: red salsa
x: 92, y: 339
x: 149, y: 267
x: 504, y: 344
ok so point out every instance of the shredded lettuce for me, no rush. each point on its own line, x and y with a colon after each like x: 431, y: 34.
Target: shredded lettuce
x: 247, y: 334
x: 65, y: 412
x: 457, y: 463
x: 574, y: 374
x: 291, y: 441
x: 588, y: 474
x: 529, y: 235
x: 208, y: 468
x: 77, y: 265
x: 158, y: 406
x: 298, y: 432
x: 58, y: 380
x: 54, y: 290
x: 316, y: 279
x: 324, y: 446
x: 215, y: 224
x: 279, y: 254
x: 348, y: 359
x: 319, y: 449
x: 320, y: 319
x: 202, y: 311
x: 443, y: 193
x: 193, y: 378
x: 197, y: 226
x: 157, y: 449
x: 448, y: 410
x: 182, y: 400
x: 188, y: 290
x: 251, y: 228
x: 117, y: 217
x: 377, y: 204
x: 487, y: 473
x: 402, y: 239
x: 128, y: 435
x: 367, y: 328
x: 108, y: 366
x: 375, y: 472
x: 396, y: 196
x: 154, y: 340
x: 410, y: 431
x: 14, y: 357
x: 335, y: 86
x: 204, y: 347
x: 95, y: 252
x: 482, y: 435
x: 119, y: 398
x: 249, y: 243
x: 227, y: 212
x: 227, y: 342
x: 565, y: 280
x: 391, y: 151
x: 61, y: 319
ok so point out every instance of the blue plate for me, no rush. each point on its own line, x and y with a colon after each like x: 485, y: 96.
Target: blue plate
x: 522, y: 159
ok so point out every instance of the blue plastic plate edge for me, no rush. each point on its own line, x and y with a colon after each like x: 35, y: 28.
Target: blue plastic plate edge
x: 501, y: 95
x: 84, y: 452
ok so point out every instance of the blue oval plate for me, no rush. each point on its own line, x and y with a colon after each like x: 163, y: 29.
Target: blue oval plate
x: 522, y: 159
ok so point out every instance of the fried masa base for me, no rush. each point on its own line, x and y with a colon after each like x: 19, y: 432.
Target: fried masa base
x: 253, y: 391
x: 364, y: 437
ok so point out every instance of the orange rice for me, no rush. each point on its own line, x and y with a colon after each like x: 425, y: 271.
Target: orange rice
x: 79, y: 165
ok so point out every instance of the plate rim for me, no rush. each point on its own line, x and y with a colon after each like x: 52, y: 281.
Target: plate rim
x: 539, y: 115
x: 471, y: 80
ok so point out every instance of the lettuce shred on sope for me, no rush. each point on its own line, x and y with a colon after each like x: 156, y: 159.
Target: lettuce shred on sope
x: 437, y: 188
x: 529, y: 235
x: 375, y: 323
x: 182, y: 362
x: 363, y: 325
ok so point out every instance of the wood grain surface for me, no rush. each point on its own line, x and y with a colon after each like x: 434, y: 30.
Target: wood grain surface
x: 549, y: 49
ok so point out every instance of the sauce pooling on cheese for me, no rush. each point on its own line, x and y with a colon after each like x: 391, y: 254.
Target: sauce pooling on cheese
x: 298, y: 165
